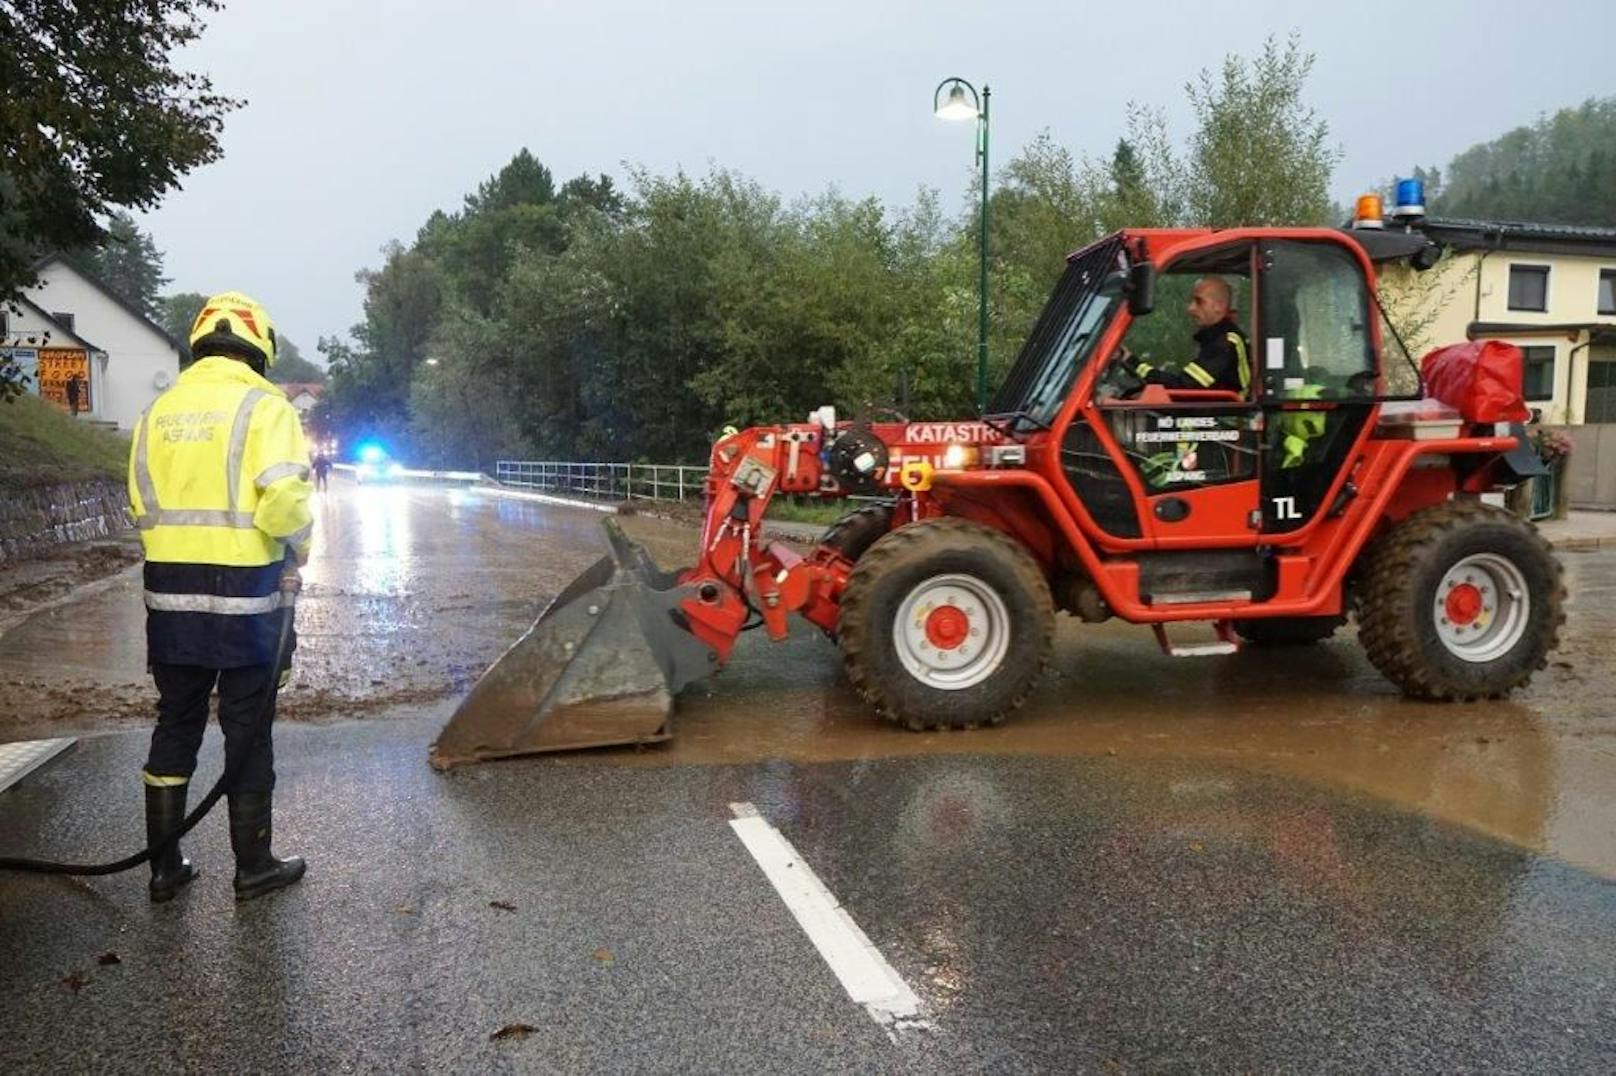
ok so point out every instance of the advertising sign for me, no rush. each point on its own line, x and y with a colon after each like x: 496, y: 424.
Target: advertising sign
x: 57, y: 367
x: 27, y: 361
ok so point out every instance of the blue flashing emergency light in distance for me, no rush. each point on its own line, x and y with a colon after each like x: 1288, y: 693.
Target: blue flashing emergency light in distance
x: 371, y: 452
x: 1410, y: 198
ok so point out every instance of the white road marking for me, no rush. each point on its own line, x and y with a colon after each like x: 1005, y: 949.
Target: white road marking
x: 864, y: 973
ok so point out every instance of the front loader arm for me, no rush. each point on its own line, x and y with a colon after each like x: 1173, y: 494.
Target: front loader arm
x: 602, y: 663
x: 737, y: 573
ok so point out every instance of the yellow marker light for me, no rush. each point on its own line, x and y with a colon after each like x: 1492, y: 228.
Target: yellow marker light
x: 957, y: 456
x: 916, y: 475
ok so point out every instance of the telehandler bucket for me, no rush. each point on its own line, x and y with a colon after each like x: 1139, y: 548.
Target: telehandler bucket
x: 600, y: 666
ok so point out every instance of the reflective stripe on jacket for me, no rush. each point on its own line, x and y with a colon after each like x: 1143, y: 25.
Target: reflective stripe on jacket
x: 1222, y: 361
x: 219, y: 484
x: 1204, y: 375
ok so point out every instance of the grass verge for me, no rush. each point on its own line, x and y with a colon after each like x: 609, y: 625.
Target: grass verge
x: 808, y: 510
x: 41, y: 446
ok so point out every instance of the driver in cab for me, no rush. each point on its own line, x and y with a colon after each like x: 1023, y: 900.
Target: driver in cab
x: 1222, y: 357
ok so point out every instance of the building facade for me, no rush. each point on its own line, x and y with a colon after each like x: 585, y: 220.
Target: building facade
x: 1549, y: 289
x: 71, y: 326
x: 303, y: 396
x: 51, y: 355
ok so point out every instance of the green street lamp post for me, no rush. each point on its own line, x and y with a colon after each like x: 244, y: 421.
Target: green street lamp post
x: 960, y: 107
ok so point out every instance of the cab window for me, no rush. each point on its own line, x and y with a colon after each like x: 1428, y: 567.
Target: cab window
x: 1165, y: 338
x: 1315, y: 338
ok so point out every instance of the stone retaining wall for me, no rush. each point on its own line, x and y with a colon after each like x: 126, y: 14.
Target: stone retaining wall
x: 69, y: 512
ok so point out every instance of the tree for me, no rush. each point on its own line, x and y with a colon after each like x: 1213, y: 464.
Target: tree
x: 94, y: 115
x: 177, y: 313
x: 290, y: 365
x: 588, y: 322
x: 1560, y: 170
x: 523, y: 181
x: 599, y: 194
x: 128, y: 262
x: 514, y: 208
x: 1259, y: 154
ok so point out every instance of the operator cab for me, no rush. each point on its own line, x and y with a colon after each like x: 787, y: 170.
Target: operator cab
x: 1153, y: 468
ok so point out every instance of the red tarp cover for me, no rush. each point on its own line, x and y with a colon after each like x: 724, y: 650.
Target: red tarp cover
x: 1481, y: 379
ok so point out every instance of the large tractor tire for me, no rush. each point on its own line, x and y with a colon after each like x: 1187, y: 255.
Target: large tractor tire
x: 1460, y: 601
x: 1288, y: 630
x: 854, y: 533
x: 858, y: 530
x: 946, y: 624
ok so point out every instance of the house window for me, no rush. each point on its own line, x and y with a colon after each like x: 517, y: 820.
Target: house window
x: 1539, y: 379
x: 1607, y: 291
x: 1602, y: 391
x: 1601, y: 405
x: 65, y: 320
x: 1528, y: 287
x: 5, y: 326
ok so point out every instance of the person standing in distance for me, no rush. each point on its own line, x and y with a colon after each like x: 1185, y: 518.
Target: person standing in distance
x: 219, y: 484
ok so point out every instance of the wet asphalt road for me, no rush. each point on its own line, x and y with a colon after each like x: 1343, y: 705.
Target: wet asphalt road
x: 1225, y: 864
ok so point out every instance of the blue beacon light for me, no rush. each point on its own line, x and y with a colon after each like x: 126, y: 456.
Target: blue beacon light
x: 1410, y: 199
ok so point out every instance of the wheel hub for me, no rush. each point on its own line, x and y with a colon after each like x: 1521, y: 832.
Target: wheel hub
x: 1482, y: 607
x: 1464, y: 604
x: 947, y: 627
x: 951, y: 631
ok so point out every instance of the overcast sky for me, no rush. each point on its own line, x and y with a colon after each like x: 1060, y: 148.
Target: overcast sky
x: 362, y: 118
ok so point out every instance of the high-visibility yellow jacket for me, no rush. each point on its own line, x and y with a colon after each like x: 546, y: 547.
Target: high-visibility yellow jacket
x: 1298, y: 429
x: 219, y: 484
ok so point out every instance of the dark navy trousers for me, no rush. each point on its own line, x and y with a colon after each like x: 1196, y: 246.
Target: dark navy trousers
x: 182, y: 718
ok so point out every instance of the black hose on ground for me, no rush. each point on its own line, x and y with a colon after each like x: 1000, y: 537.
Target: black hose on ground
x: 43, y: 866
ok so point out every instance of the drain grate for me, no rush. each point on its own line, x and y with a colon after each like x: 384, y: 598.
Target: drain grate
x: 18, y: 760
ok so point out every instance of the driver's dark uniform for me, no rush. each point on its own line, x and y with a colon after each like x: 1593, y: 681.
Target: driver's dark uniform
x: 1222, y: 361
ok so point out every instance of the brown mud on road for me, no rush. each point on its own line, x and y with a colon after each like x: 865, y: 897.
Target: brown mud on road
x: 409, y: 596
x: 412, y: 592
x: 1538, y: 769
x: 33, y: 583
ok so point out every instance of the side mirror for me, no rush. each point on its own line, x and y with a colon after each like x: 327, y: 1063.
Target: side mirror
x: 1141, y: 288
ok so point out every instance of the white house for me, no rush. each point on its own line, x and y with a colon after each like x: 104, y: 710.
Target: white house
x: 70, y: 324
x: 303, y: 395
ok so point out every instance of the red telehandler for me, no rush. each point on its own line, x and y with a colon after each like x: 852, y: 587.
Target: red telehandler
x: 1270, y: 515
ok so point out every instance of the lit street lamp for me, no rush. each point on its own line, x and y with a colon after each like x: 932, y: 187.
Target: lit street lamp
x: 960, y: 107
x: 442, y: 423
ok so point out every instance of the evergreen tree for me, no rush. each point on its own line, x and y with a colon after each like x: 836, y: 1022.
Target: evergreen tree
x: 128, y: 262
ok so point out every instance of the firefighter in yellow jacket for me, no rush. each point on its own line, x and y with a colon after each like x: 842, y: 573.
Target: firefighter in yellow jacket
x: 219, y: 483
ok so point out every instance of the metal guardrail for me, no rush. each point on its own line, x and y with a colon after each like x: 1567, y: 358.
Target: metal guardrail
x: 610, y: 481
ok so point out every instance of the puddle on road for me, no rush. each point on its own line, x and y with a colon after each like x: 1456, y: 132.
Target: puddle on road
x: 1538, y: 770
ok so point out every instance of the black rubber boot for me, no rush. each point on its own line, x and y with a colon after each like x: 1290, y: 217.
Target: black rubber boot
x: 257, y: 870
x: 165, y: 811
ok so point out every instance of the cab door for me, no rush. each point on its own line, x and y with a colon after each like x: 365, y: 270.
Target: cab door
x: 1316, y: 352
x: 1192, y: 455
